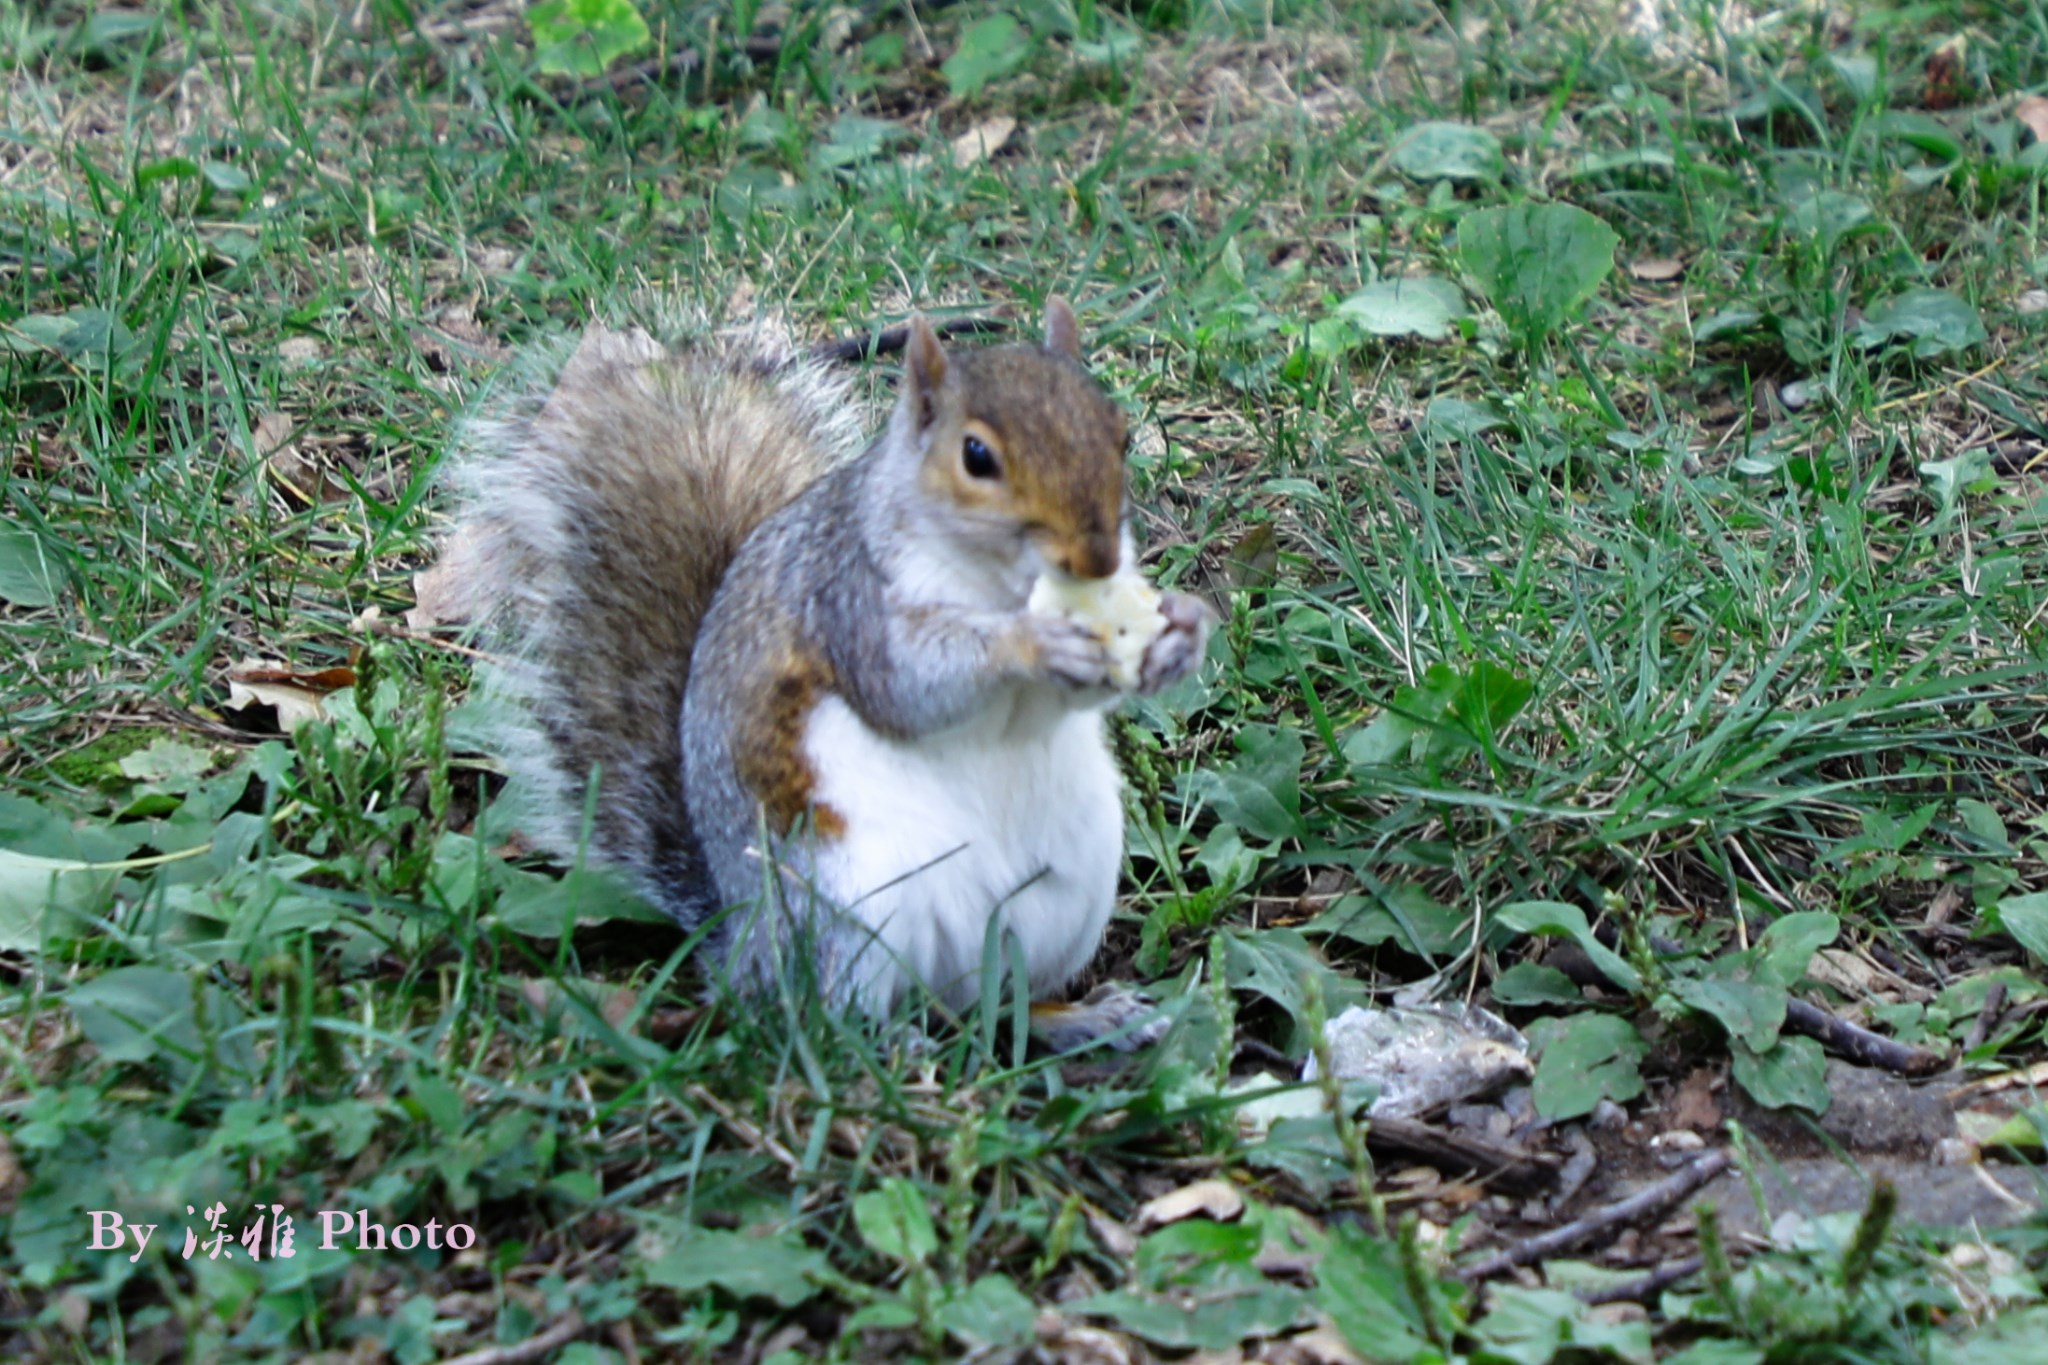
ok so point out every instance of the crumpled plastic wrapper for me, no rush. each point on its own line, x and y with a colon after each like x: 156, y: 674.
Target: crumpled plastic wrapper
x: 1425, y: 1057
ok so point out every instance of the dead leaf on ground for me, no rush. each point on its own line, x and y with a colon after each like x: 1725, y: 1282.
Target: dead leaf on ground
x: 982, y: 141
x: 2032, y: 111
x: 1656, y: 269
x: 288, y: 466
x: 455, y: 340
x: 1216, y: 1199
x: 295, y: 696
x: 1944, y: 72
x: 445, y: 592
x: 1693, y: 1105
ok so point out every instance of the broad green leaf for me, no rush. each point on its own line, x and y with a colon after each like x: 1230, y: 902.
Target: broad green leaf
x: 1261, y: 792
x: 2026, y: 919
x: 540, y: 906
x: 1553, y: 918
x: 33, y: 888
x: 1949, y: 479
x: 1535, y: 263
x: 1360, y: 1284
x: 1919, y: 130
x: 1424, y: 306
x: 1449, y: 151
x: 131, y: 1014
x: 1406, y: 915
x: 584, y: 37
x: 994, y: 47
x: 1533, y: 1326
x: 29, y: 575
x: 990, y: 1314
x: 1934, y: 321
x: 1454, y: 419
x: 1532, y: 983
x: 1794, y: 1072
x: 1585, y: 1059
x: 1277, y: 964
x: 1786, y: 949
x: 1489, y: 698
x: 1748, y: 1010
x: 853, y: 139
x: 1218, y: 1319
x: 1828, y: 214
x: 780, y: 1269
x: 895, y: 1221
x: 1717, y: 1351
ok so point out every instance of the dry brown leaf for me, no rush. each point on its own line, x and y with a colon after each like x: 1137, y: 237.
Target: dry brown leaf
x: 1944, y: 73
x: 2032, y: 110
x: 1217, y: 1199
x: 1113, y: 1237
x: 296, y: 697
x: 982, y: 141
x: 1070, y: 1343
x: 618, y: 1006
x: 445, y: 592
x: 1693, y: 1105
x: 1317, y: 1346
x: 1656, y: 269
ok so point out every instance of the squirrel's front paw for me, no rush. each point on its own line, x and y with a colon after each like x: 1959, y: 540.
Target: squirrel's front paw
x: 1178, y: 650
x: 1067, y: 652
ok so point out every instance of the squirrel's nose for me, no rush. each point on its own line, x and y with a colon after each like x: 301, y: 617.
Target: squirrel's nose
x: 1092, y: 557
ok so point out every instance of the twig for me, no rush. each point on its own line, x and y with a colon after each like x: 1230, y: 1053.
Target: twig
x: 1853, y: 1041
x: 1649, y: 1202
x: 1857, y: 1043
x: 1987, y: 1017
x: 1511, y: 1167
x: 533, y: 1348
x: 890, y: 340
x: 1641, y: 1288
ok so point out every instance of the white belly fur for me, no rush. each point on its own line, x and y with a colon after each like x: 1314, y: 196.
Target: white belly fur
x: 946, y: 829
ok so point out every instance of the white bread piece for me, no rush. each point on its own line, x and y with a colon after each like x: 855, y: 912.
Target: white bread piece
x: 1122, y: 611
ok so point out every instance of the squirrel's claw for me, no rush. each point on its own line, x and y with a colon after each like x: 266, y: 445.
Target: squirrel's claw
x: 1179, y: 648
x: 1070, y: 653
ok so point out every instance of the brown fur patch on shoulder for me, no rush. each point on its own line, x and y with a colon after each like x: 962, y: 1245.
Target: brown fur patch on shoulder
x: 767, y: 745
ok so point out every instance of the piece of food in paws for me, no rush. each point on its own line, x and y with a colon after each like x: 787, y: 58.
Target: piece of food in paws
x: 1122, y: 611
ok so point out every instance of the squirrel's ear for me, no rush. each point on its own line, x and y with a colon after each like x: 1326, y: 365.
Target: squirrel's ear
x: 1062, y: 333
x: 924, y: 370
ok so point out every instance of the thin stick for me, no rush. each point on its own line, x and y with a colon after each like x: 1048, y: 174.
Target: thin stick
x: 533, y: 1348
x: 1640, y: 1289
x: 1652, y: 1201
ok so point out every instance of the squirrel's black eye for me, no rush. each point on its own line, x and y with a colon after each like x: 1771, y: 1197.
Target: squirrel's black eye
x: 978, y: 460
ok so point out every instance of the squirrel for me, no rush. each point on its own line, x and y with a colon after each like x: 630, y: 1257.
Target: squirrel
x: 805, y: 674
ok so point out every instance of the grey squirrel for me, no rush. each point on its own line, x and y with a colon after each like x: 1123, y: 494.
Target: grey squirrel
x: 811, y: 679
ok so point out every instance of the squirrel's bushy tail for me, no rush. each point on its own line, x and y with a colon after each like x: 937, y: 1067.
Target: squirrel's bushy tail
x: 597, y: 526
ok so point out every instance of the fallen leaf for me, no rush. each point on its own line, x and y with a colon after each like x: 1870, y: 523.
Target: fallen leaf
x: 1693, y: 1105
x: 1944, y: 73
x: 1656, y: 269
x: 1216, y: 1199
x: 2032, y: 110
x: 296, y: 697
x: 289, y: 467
x: 982, y: 141
x: 445, y: 593
x: 1113, y: 1237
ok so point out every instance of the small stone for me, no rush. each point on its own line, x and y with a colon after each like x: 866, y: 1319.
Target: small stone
x: 1606, y: 1117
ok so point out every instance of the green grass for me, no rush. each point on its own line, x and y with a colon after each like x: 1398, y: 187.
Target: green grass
x: 1708, y: 606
